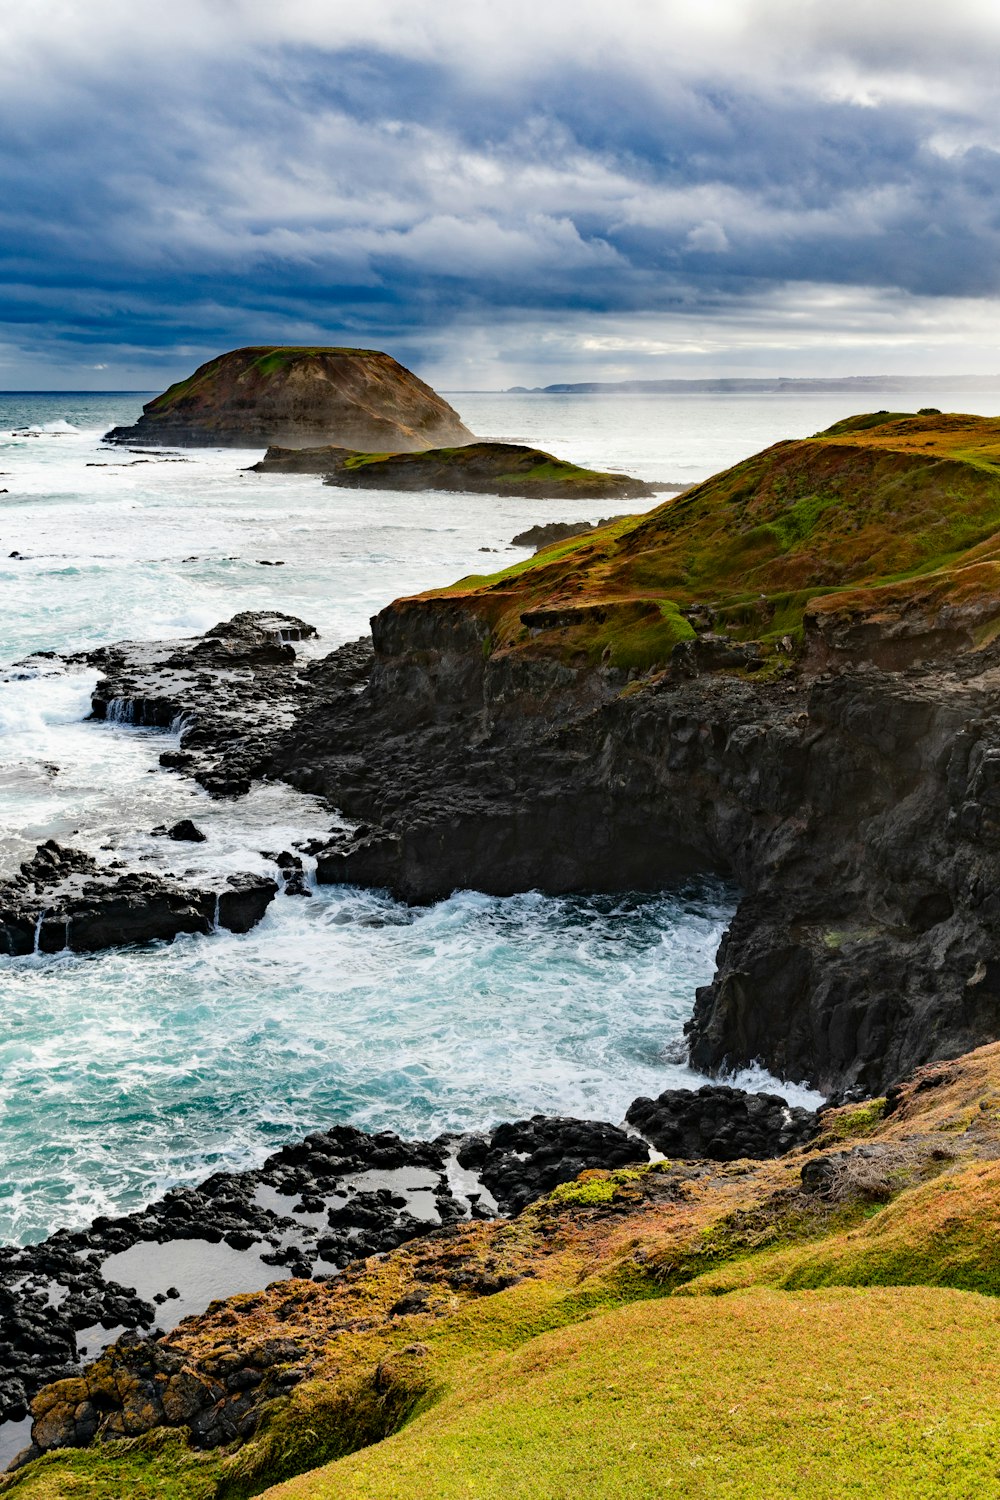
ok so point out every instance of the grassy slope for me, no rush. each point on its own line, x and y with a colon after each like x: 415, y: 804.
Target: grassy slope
x: 856, y: 1353
x: 823, y: 1394
x: 875, y: 500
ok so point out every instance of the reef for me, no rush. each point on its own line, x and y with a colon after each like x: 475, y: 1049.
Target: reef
x: 298, y: 397
x: 475, y: 468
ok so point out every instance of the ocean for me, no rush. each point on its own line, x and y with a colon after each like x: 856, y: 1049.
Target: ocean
x: 124, y: 1073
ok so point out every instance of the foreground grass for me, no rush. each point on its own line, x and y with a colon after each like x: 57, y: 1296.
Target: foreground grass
x: 817, y: 1394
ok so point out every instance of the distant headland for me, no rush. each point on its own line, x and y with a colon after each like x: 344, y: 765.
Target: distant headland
x: 777, y: 386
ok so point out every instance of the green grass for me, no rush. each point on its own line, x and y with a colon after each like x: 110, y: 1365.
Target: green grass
x: 876, y: 500
x: 159, y: 1466
x: 817, y: 1396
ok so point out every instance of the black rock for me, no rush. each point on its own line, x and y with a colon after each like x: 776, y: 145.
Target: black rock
x: 521, y: 1160
x: 186, y: 832
x: 720, y: 1123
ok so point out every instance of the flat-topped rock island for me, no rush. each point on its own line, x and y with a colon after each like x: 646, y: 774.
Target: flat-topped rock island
x: 250, y: 398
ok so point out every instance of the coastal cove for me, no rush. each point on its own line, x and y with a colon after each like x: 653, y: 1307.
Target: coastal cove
x: 113, y: 544
x: 146, y: 1071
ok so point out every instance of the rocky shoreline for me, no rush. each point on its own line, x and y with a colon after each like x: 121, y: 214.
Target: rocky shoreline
x: 847, y: 780
x: 309, y: 1211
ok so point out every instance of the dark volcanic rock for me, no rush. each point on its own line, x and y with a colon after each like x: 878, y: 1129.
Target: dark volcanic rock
x: 298, y: 397
x: 231, y: 692
x: 525, y: 1158
x: 54, y: 1291
x: 62, y: 899
x: 186, y: 832
x: 857, y: 811
x: 312, y: 1208
x: 721, y: 1123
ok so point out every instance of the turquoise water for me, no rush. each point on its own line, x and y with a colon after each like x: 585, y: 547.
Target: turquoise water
x: 124, y: 1073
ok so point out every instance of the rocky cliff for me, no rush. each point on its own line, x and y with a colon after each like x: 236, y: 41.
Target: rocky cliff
x: 732, y: 684
x: 299, y: 397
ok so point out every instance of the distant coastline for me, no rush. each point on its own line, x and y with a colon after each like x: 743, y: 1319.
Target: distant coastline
x: 777, y: 386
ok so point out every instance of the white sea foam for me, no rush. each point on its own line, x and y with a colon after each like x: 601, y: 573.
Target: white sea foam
x: 123, y: 1073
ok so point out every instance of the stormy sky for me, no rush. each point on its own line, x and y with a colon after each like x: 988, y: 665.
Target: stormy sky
x: 499, y: 193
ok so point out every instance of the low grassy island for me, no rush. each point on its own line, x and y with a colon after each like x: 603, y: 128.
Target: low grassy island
x: 298, y: 397
x: 474, y: 468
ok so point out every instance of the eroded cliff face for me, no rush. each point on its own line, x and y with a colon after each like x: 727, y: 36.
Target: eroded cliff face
x: 298, y: 398
x: 547, y: 729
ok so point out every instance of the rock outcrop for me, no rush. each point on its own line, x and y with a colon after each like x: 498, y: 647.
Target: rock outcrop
x: 299, y: 397
x: 547, y: 532
x: 63, y: 901
x: 230, y: 692
x: 477, y: 468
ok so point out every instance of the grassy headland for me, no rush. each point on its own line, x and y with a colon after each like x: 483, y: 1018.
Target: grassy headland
x: 883, y: 528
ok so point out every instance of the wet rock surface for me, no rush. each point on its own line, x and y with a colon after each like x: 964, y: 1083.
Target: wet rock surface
x: 309, y: 1210
x: 230, y: 693
x: 62, y: 899
x: 313, y: 1209
x: 721, y: 1123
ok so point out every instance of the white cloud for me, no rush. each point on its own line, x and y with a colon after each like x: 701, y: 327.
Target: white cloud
x: 709, y: 237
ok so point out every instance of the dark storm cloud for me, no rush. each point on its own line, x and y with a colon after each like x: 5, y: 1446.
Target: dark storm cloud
x: 216, y: 176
